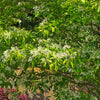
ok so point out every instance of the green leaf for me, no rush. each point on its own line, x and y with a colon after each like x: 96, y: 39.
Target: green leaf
x: 53, y: 29
x: 46, y: 33
x: 71, y: 64
x: 64, y: 61
x: 19, y: 56
x: 67, y: 64
x: 79, y: 61
x: 32, y: 64
x: 83, y: 1
x: 51, y: 67
x: 44, y: 65
x: 56, y: 67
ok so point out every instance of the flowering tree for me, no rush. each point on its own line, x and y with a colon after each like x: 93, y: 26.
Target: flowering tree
x: 60, y: 37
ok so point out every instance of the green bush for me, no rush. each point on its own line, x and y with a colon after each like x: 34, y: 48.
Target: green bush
x: 60, y: 35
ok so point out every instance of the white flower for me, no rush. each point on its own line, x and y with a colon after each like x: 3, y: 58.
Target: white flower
x: 44, y: 21
x: 45, y: 51
x: 14, y: 48
x: 40, y: 40
x: 30, y: 59
x: 75, y: 53
x: 8, y: 68
x: 55, y: 45
x: 6, y: 54
x: 43, y: 60
x: 66, y: 46
x: 61, y: 55
x: 31, y: 51
x: 7, y: 35
x: 19, y: 3
x: 35, y: 52
x: 48, y: 40
x: 40, y: 48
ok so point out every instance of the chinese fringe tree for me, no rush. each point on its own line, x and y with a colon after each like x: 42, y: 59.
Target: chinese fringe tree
x: 61, y: 37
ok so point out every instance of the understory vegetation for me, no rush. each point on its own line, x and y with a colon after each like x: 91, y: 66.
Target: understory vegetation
x: 59, y: 37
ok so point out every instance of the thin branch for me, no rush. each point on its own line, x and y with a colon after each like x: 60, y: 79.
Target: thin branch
x: 74, y: 38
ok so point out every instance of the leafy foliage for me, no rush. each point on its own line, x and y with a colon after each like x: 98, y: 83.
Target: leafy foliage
x: 7, y: 95
x: 62, y: 36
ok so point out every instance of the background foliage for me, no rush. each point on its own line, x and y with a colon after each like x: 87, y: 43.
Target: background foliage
x: 60, y: 35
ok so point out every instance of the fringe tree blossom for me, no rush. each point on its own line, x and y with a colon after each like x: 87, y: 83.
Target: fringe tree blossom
x: 43, y: 22
x: 66, y: 46
x: 61, y: 55
x: 7, y: 35
x: 13, y: 52
x: 47, y: 53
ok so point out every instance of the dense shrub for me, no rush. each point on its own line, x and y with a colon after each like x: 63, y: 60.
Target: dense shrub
x: 62, y: 36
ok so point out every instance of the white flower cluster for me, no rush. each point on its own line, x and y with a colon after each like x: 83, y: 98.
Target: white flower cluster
x: 40, y: 40
x: 55, y: 45
x: 49, y: 43
x: 6, y: 55
x: 47, y: 52
x: 14, y: 51
x: 44, y: 21
x: 46, y: 41
x: 66, y: 46
x: 60, y: 55
x: 37, y: 52
x: 51, y: 49
x: 7, y: 35
x: 14, y: 32
x: 20, y: 32
x: 36, y: 9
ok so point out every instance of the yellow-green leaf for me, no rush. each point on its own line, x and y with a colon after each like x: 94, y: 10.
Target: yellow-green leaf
x: 71, y: 63
x: 44, y: 64
x: 51, y: 66
x: 83, y: 1
x: 67, y: 64
x: 56, y: 67
x: 46, y: 32
x: 64, y: 61
x: 53, y: 29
